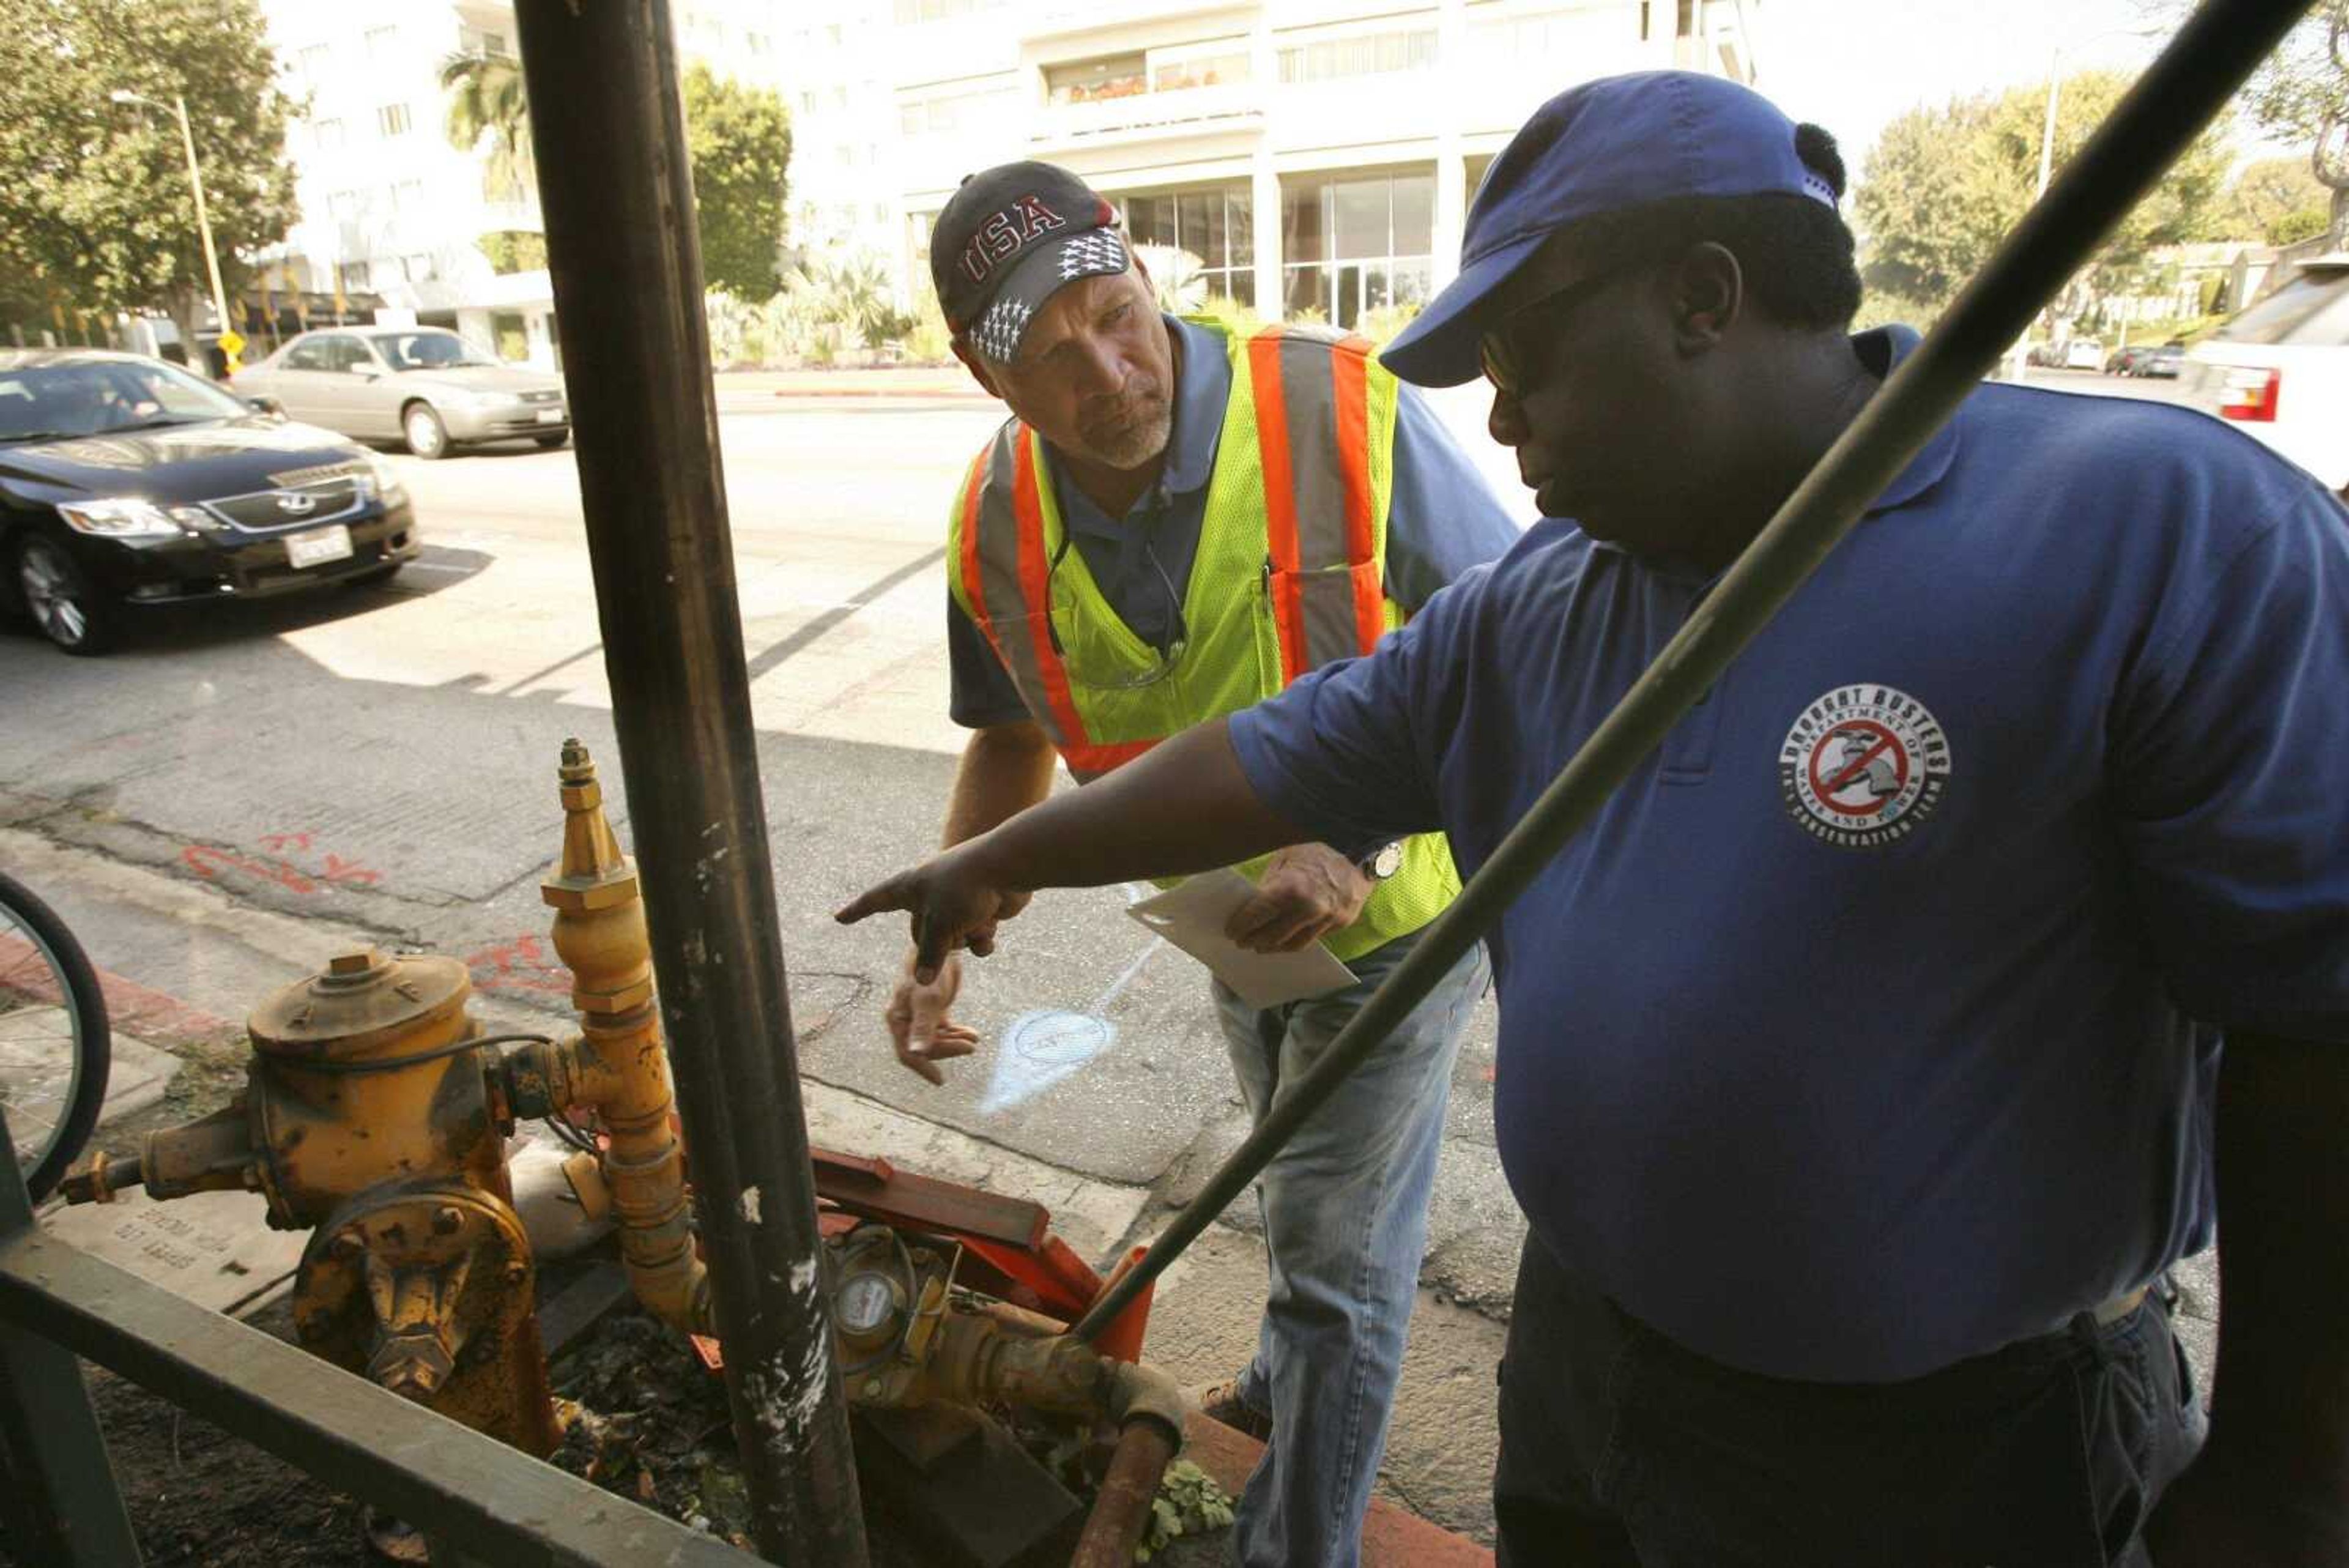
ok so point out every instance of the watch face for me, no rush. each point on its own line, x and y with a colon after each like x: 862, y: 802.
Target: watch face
x: 1387, y: 861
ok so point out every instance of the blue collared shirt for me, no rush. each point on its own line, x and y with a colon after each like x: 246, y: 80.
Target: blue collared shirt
x: 1443, y: 518
x: 1873, y: 1023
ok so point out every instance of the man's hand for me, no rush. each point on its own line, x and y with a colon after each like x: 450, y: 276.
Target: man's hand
x: 918, y: 1025
x: 955, y: 903
x: 1307, y: 891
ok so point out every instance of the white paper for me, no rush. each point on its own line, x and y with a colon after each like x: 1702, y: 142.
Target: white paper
x: 1193, y: 917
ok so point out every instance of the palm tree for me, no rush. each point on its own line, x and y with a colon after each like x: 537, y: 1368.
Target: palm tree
x: 486, y: 98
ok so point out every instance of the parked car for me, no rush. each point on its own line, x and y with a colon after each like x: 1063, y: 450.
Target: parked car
x: 2044, y: 356
x: 2084, y: 354
x: 2279, y: 370
x: 2160, y: 363
x: 422, y: 385
x: 2124, y: 359
x: 126, y: 482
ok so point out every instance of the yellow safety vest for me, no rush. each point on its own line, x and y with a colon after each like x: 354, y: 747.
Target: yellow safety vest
x: 1290, y: 575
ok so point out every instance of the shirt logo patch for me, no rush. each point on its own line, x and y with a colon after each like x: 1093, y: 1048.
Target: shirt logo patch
x: 1864, y: 766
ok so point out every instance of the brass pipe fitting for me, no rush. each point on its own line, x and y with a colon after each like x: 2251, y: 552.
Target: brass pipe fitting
x: 617, y: 1064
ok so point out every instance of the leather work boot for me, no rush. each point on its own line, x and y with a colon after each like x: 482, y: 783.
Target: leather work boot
x: 1222, y: 1402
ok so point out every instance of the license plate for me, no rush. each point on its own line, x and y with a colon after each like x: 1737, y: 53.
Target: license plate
x: 550, y: 416
x: 318, y: 546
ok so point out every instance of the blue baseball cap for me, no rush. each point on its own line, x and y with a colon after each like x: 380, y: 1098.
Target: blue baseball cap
x: 1617, y: 142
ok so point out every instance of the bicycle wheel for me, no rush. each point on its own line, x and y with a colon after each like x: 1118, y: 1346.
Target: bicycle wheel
x: 54, y: 1044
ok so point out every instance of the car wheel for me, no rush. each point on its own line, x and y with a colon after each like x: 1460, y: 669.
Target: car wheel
x: 427, y: 438
x: 59, y: 596
x: 550, y: 442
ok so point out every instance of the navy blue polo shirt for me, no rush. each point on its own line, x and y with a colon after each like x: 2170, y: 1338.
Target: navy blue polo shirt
x: 1441, y: 519
x: 1874, y: 1023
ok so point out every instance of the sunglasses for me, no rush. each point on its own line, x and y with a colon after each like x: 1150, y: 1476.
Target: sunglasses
x: 1516, y: 353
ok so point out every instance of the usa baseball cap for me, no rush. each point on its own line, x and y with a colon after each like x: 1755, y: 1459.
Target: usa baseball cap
x: 1605, y: 145
x: 1010, y: 238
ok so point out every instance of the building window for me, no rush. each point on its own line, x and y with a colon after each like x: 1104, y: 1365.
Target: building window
x: 342, y: 206
x: 408, y: 196
x: 379, y: 41
x: 1530, y: 40
x: 1087, y: 81
x: 354, y: 275
x: 1215, y: 64
x: 880, y: 213
x: 326, y: 133
x: 1212, y: 231
x: 1358, y: 55
x: 1686, y: 26
x: 392, y: 120
x: 313, y: 59
x: 757, y: 42
x: 845, y: 154
x: 419, y: 268
x: 1356, y: 244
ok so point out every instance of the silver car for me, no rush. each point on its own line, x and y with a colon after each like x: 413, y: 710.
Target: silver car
x: 422, y: 385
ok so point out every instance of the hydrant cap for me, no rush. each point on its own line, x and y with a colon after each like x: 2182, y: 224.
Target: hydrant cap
x: 362, y: 993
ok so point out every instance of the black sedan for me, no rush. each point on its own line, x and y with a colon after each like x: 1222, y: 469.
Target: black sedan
x: 128, y: 483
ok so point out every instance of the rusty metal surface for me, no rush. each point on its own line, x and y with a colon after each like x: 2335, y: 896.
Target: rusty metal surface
x: 427, y: 1290
x: 364, y: 1004
x: 1121, y: 1507
x: 875, y: 1190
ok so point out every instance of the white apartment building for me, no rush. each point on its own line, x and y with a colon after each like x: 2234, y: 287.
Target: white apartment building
x: 393, y: 215
x: 1303, y: 156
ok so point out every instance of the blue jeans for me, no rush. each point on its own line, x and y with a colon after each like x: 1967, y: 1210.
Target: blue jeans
x: 1345, y: 1222
x: 1622, y: 1450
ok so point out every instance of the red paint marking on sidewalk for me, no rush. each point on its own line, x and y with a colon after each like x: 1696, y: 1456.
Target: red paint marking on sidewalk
x: 139, y: 1011
x: 208, y: 862
x: 520, y: 964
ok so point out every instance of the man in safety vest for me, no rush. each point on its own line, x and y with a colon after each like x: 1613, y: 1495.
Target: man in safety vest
x: 1176, y: 523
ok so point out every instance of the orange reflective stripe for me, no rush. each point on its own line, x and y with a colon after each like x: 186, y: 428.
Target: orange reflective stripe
x: 974, y: 578
x: 1036, y: 587
x: 1279, y: 502
x: 1350, y: 373
x: 1089, y: 763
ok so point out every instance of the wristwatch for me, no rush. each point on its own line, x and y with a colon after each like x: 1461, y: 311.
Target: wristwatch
x: 1383, y: 863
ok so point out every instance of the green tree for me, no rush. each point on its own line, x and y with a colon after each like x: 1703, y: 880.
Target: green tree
x: 486, y: 102
x: 2276, y: 200
x: 1945, y: 185
x: 740, y: 138
x: 2300, y: 95
x: 94, y: 195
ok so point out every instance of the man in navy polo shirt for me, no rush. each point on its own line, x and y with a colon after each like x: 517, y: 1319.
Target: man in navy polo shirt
x: 1861, y: 1067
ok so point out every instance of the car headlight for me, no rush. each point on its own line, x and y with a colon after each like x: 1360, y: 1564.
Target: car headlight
x: 387, y: 480
x: 123, y: 517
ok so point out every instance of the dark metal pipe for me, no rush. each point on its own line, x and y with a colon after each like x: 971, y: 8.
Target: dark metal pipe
x: 2165, y: 110
x: 58, y: 1500
x: 618, y: 192
x: 1122, y: 1508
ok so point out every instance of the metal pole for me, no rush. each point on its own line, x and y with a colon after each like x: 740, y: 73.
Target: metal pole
x: 2161, y: 114
x: 203, y: 220
x: 618, y: 193
x: 60, y: 1504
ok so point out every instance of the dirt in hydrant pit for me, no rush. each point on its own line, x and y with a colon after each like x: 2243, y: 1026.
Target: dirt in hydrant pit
x: 652, y: 1428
